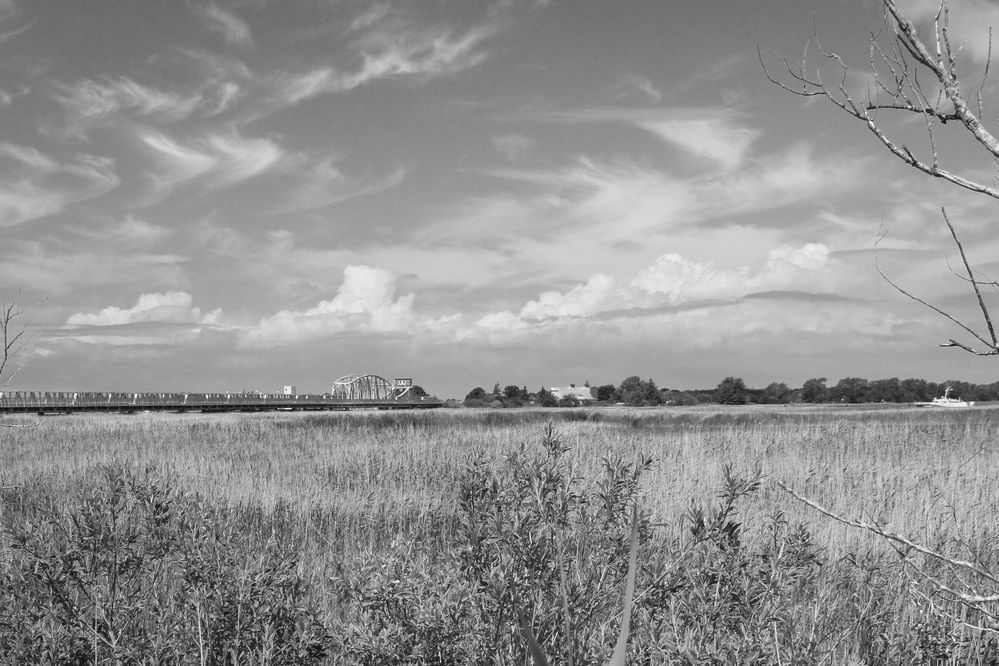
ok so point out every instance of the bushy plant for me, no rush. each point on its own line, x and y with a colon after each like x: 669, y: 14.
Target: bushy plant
x: 136, y: 572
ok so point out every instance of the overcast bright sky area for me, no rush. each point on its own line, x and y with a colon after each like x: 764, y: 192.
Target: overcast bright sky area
x: 247, y: 194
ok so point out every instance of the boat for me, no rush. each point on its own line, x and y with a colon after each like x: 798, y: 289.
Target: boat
x: 946, y: 401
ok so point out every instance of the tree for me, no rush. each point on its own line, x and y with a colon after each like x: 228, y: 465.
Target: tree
x: 814, y: 390
x: 731, y: 391
x: 568, y: 401
x: 606, y: 393
x: 885, y: 390
x: 849, y: 389
x: 776, y: 393
x: 631, y: 390
x: 912, y: 77
x: 13, y: 337
x: 545, y: 398
x: 511, y: 391
x: 475, y: 397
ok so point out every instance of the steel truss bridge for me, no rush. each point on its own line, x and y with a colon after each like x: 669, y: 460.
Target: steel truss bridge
x: 349, y: 392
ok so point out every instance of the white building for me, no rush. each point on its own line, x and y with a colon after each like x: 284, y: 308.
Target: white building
x: 581, y: 393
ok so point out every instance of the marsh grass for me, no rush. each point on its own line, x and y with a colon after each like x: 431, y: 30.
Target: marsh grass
x: 368, y: 510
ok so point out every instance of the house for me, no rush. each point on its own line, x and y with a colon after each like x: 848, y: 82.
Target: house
x: 581, y: 393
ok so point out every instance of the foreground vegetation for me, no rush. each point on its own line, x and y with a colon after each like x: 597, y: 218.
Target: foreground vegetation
x: 453, y: 536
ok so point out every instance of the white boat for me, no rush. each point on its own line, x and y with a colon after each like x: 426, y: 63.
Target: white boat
x: 946, y: 401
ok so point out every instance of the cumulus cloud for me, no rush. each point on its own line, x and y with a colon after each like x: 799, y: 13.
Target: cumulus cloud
x: 175, y: 307
x: 156, y: 319
x: 670, y: 281
x: 35, y: 185
x: 366, y: 302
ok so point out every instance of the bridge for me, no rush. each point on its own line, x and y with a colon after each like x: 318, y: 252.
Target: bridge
x: 348, y: 392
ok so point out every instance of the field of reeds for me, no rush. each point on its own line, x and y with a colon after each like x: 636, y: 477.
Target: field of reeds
x: 486, y: 536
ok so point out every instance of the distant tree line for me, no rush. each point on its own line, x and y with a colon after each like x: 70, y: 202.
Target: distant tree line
x: 733, y: 391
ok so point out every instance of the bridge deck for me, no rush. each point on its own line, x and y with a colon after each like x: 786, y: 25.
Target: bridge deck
x: 66, y: 402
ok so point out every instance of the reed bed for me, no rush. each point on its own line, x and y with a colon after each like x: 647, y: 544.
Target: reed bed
x: 345, y: 488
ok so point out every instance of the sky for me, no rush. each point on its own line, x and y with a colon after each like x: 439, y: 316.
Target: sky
x: 244, y: 194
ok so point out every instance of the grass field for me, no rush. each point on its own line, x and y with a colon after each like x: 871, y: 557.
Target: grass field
x: 419, y: 537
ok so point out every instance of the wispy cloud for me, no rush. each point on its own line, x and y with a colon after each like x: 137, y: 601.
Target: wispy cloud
x: 9, y: 12
x: 513, y: 146
x: 643, y: 85
x: 387, y: 51
x: 970, y: 23
x: 716, y: 133
x: 713, y: 138
x: 34, y: 185
x: 58, y: 266
x: 324, y: 184
x: 92, y: 103
x: 234, y: 29
x: 375, y: 13
x: 215, y: 159
x: 626, y: 199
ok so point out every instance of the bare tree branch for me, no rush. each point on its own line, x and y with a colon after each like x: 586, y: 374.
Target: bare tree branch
x: 993, y: 345
x: 898, y: 88
x: 911, y: 545
x: 971, y: 278
x: 12, y: 335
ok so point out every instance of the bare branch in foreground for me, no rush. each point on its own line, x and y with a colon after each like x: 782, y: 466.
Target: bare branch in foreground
x: 993, y: 344
x: 912, y: 545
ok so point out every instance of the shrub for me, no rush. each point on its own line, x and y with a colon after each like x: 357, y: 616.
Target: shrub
x: 136, y: 572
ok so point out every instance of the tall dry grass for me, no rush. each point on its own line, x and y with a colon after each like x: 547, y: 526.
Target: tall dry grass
x: 378, y: 474
x: 347, y: 487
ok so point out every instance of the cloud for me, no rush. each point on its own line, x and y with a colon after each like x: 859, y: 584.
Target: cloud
x: 970, y: 24
x: 713, y: 138
x: 215, y: 86
x: 8, y: 11
x: 175, y: 307
x: 374, y: 14
x: 625, y: 199
x: 670, y: 281
x: 389, y: 51
x: 514, y: 147
x: 167, y: 318
x: 34, y: 185
x: 714, y: 133
x: 66, y: 263
x: 231, y: 27
x: 323, y: 184
x: 431, y: 52
x: 366, y: 302
x: 645, y: 86
x: 95, y: 103
x: 215, y: 159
